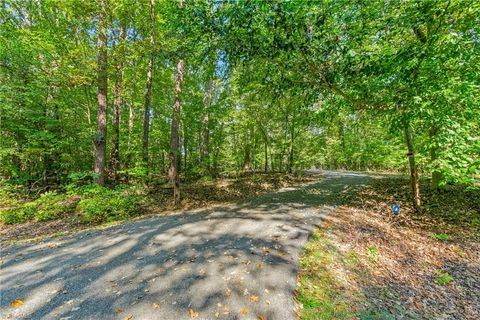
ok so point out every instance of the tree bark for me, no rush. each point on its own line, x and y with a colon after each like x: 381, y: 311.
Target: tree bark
x: 148, y: 88
x: 205, y: 135
x: 413, y: 167
x: 173, y: 172
x: 185, y: 149
x: 265, y: 165
x: 101, y: 135
x: 117, y: 106
x: 174, y: 138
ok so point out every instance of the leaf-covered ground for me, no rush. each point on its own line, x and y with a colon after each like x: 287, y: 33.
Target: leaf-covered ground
x: 366, y: 263
x: 61, y: 212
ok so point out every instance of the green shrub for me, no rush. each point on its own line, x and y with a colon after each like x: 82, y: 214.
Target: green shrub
x: 9, y: 216
x: 10, y: 194
x: 48, y: 207
x: 439, y: 236
x: 88, y: 190
x: 76, y: 179
x: 96, y: 204
x: 206, y: 178
x: 108, y: 206
x: 443, y: 277
x: 22, y: 213
x: 373, y: 254
x: 136, y: 172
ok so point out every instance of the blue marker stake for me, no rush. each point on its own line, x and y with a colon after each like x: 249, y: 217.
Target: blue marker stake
x: 396, y: 209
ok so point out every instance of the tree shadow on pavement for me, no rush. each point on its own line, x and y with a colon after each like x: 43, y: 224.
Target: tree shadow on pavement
x: 228, y: 262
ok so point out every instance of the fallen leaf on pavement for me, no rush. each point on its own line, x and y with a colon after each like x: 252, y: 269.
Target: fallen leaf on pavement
x: 129, y: 317
x: 155, y: 305
x: 244, y: 311
x: 253, y: 298
x: 17, y: 303
x: 192, y: 313
x: 226, y: 309
x: 261, y: 317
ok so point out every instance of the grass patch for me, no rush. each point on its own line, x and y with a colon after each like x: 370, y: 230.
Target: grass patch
x: 439, y: 236
x: 319, y: 290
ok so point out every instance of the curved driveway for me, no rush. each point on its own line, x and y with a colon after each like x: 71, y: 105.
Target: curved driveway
x: 227, y: 262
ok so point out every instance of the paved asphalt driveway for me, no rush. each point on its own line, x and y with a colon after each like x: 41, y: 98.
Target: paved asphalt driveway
x: 227, y: 262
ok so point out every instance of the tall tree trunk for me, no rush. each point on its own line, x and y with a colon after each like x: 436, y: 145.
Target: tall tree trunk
x: 173, y: 172
x: 265, y: 168
x: 130, y: 134
x: 436, y: 173
x: 117, y: 106
x: 413, y: 167
x: 148, y: 88
x: 185, y: 149
x: 101, y: 135
x: 409, y: 133
x: 205, y: 134
x: 174, y: 138
x: 131, y: 119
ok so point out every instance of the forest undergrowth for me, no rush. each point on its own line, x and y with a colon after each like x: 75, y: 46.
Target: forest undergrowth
x: 367, y: 263
x: 26, y: 215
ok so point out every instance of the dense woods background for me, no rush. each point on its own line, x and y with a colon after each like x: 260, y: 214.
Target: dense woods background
x: 116, y: 90
x: 110, y: 109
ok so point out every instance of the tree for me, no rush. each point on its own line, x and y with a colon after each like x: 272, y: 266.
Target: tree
x: 173, y: 173
x: 205, y: 133
x: 117, y: 102
x: 148, y: 87
x: 276, y: 86
x: 101, y: 135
